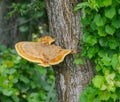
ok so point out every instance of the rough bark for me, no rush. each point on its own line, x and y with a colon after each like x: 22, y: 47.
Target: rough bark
x: 71, y: 79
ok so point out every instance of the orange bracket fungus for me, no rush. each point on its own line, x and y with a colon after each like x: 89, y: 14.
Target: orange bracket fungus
x: 42, y: 52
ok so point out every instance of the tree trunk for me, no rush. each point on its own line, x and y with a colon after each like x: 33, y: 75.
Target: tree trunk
x: 71, y: 79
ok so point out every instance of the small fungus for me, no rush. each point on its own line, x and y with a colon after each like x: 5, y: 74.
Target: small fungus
x: 46, y: 40
x: 42, y: 52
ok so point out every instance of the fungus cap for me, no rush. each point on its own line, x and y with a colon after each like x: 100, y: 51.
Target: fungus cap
x: 41, y: 53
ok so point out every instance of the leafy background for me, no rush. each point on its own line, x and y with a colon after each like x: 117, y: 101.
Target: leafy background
x: 101, y: 44
x: 20, y: 80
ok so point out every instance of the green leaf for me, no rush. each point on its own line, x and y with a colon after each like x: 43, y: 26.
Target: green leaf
x: 97, y: 100
x: 38, y: 14
x: 23, y: 28
x: 109, y: 29
x: 85, y: 21
x: 90, y: 93
x: 101, y: 31
x: 7, y: 92
x: 81, y: 5
x: 33, y: 97
x: 91, y: 90
x: 110, y: 12
x: 11, y: 71
x: 110, y: 81
x: 114, y: 96
x: 85, y: 35
x: 24, y: 79
x: 116, y: 22
x: 114, y: 61
x: 104, y: 95
x: 117, y: 83
x: 99, y: 20
x: 113, y: 44
x: 103, y: 42
x: 102, y: 53
x: 109, y: 78
x: 92, y: 51
x: 103, y: 3
x: 15, y: 98
x: 111, y: 87
x: 92, y: 40
x: 104, y: 87
x: 107, y: 2
x: 98, y: 81
x: 98, y: 67
x: 106, y: 60
x: 93, y: 26
x: 83, y: 98
x: 119, y: 11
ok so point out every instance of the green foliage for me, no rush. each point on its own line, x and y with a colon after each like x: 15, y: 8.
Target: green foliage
x: 28, y: 13
x: 22, y: 81
x: 101, y: 44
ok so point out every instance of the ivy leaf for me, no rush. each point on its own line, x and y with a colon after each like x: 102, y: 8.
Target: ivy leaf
x: 24, y: 79
x: 113, y: 44
x: 86, y: 21
x: 92, y: 51
x: 99, y: 21
x: 102, y: 53
x: 109, y: 29
x: 101, y: 32
x: 106, y: 60
x: 81, y: 5
x: 93, y: 26
x: 104, y: 87
x: 118, y: 11
x: 109, y: 77
x: 92, y: 40
x: 104, y: 95
x: 103, y: 3
x: 114, y: 61
x: 83, y: 98
x: 98, y: 67
x: 90, y: 93
x: 103, y: 42
x: 85, y: 35
x: 116, y: 22
x: 114, y: 96
x: 38, y: 14
x: 98, y: 81
x: 107, y: 2
x: 110, y: 12
x: 117, y: 83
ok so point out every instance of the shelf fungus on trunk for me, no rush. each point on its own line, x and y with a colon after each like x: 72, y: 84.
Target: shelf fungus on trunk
x: 42, y: 52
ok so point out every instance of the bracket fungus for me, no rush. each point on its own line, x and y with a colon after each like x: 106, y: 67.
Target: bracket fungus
x: 42, y: 52
x: 46, y: 40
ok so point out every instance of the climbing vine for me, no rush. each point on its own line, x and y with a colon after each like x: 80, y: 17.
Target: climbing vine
x: 101, y: 44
